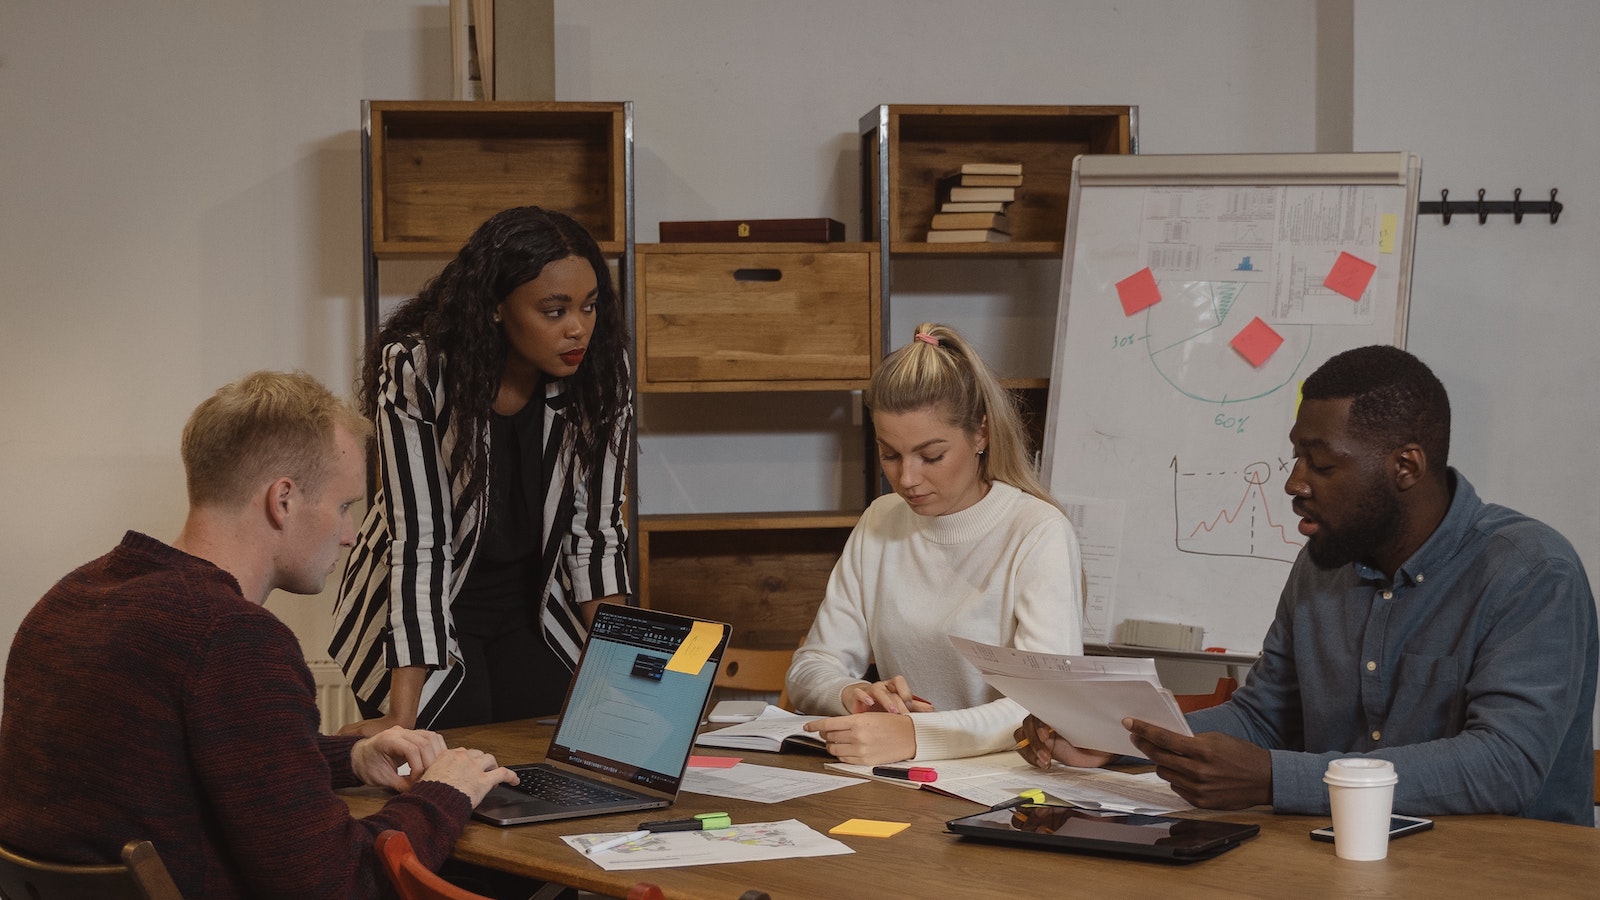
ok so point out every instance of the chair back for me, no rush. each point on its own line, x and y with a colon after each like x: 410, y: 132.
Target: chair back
x: 140, y: 876
x: 756, y: 671
x: 1191, y: 702
x: 411, y: 879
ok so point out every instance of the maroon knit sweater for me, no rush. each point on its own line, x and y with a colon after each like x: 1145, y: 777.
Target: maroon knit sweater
x: 146, y: 698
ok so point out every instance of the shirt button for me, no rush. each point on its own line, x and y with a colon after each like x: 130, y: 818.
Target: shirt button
x: 1388, y: 595
x: 1377, y: 735
x: 1372, y: 666
x: 1419, y: 578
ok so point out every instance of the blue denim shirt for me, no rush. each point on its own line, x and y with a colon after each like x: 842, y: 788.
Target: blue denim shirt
x: 1474, y: 673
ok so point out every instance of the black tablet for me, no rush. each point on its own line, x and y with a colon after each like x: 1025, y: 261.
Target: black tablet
x: 1113, y: 833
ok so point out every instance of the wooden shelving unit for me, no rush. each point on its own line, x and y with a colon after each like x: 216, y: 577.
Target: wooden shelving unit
x: 731, y: 318
x: 905, y: 149
x: 432, y: 172
x: 765, y: 573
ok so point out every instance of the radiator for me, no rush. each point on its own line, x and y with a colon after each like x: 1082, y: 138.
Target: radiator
x: 334, y: 698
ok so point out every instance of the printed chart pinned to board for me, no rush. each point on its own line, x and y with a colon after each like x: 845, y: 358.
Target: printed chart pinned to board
x: 1197, y: 293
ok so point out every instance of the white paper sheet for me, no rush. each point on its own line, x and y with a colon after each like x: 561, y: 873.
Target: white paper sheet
x: 763, y: 784
x: 789, y: 839
x: 1084, y: 698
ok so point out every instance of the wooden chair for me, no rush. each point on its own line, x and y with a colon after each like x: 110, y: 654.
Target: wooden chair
x: 1191, y: 702
x: 140, y: 876
x: 757, y: 671
x: 411, y: 879
x: 414, y: 881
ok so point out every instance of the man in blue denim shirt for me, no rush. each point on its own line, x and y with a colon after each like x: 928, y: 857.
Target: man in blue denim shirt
x: 1420, y: 625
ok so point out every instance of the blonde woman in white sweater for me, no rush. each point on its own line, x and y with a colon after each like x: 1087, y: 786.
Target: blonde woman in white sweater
x: 970, y: 543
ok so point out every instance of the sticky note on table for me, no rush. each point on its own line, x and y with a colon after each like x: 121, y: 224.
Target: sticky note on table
x: 869, y: 828
x: 713, y: 762
x: 1257, y: 342
x: 1138, y: 291
x: 696, y: 648
x: 1349, y: 276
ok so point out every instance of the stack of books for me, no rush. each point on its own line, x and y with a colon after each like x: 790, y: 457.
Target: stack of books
x: 973, y: 203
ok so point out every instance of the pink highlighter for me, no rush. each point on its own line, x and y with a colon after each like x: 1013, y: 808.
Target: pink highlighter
x: 912, y: 773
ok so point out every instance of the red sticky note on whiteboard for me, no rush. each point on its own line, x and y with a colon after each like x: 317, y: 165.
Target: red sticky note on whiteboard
x: 1349, y: 276
x: 1138, y: 291
x: 1257, y: 342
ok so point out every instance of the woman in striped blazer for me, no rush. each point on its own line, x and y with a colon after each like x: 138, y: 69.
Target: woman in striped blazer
x: 503, y: 407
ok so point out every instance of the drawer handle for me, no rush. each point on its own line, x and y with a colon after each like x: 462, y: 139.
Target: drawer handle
x: 757, y: 275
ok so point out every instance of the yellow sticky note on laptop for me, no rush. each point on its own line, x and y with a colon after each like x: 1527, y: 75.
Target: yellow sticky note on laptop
x: 696, y: 648
x: 869, y: 828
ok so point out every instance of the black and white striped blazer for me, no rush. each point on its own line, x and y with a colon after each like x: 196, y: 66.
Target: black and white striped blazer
x: 414, y: 548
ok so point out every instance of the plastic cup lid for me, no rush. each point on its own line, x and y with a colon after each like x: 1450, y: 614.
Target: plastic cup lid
x: 1360, y: 771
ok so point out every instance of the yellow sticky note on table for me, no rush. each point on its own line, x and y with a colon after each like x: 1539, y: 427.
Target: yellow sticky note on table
x: 1388, y: 224
x: 869, y: 828
x: 696, y: 648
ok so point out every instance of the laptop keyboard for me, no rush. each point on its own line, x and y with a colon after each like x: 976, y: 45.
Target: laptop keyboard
x: 559, y: 788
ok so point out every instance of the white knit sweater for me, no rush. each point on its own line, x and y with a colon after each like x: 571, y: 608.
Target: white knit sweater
x: 1004, y: 571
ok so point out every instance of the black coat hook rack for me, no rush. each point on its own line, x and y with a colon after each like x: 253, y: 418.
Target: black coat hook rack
x: 1483, y: 209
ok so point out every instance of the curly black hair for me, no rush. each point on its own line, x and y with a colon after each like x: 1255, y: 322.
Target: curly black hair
x: 1396, y: 399
x: 454, y: 317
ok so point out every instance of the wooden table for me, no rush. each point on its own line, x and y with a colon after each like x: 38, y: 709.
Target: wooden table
x: 1464, y: 856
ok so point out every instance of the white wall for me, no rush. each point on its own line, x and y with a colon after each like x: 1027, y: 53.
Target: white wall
x: 179, y: 203
x: 750, y: 110
x: 1500, y: 95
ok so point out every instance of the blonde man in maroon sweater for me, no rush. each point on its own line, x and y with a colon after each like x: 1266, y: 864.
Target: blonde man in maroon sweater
x: 150, y: 695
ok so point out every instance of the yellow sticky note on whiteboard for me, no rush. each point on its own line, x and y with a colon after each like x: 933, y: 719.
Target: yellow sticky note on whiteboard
x: 1388, y: 224
x: 869, y: 828
x: 696, y: 648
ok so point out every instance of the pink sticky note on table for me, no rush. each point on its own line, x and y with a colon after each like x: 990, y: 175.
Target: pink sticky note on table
x: 1257, y: 342
x: 713, y: 762
x: 1349, y: 276
x: 1138, y: 291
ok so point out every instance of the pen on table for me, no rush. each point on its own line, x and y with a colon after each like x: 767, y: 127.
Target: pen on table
x: 701, y: 822
x: 613, y: 843
x: 912, y: 773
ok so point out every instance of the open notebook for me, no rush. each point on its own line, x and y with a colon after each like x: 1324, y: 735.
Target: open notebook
x: 774, y: 731
x: 628, y: 723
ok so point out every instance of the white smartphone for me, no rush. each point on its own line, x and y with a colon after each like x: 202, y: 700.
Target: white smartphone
x: 1399, y: 827
x: 737, y: 710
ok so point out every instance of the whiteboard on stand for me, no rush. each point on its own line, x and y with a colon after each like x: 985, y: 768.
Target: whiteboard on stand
x: 1197, y: 293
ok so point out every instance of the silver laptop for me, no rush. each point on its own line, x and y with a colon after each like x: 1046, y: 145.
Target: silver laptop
x: 628, y: 723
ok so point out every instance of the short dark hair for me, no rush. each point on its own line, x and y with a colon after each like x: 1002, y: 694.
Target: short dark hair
x: 1395, y: 399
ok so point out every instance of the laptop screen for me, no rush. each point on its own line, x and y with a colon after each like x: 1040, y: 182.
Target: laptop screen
x: 627, y: 714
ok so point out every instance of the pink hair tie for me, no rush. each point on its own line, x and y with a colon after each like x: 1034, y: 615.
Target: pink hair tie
x: 927, y: 339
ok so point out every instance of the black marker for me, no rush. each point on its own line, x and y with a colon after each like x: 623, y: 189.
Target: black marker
x: 701, y: 822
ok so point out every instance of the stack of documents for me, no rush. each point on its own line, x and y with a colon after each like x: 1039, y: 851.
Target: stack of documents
x: 1084, y: 698
x: 999, y: 777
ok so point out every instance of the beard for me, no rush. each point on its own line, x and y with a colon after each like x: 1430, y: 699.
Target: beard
x: 1376, y: 519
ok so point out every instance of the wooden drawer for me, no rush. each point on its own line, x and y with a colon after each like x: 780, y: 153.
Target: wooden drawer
x: 756, y: 316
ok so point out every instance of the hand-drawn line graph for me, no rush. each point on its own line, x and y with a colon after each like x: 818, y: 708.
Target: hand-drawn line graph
x: 1234, y: 512
x: 1187, y: 335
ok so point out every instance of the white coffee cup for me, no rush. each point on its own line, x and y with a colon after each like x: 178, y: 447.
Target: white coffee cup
x: 1361, y: 791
